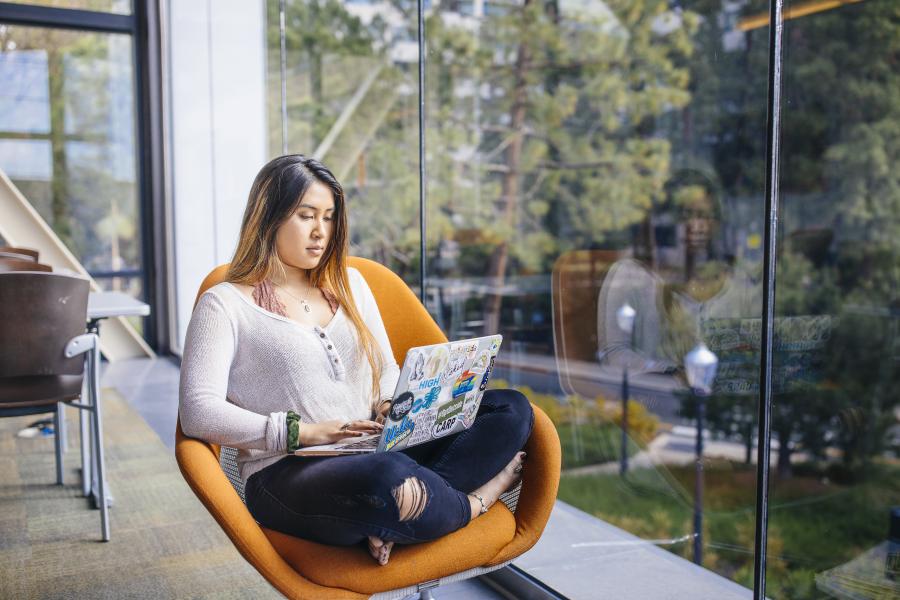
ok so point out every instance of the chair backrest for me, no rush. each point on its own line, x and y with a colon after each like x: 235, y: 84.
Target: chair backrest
x: 22, y: 251
x: 8, y: 265
x: 39, y: 314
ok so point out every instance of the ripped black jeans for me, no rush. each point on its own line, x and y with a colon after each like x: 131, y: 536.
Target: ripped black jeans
x: 340, y: 500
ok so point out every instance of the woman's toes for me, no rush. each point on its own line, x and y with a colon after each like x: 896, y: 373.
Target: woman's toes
x: 385, y: 552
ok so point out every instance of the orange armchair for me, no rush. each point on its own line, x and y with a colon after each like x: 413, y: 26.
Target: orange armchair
x: 302, y: 569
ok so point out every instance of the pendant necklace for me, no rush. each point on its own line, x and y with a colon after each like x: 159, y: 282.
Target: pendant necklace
x: 302, y: 302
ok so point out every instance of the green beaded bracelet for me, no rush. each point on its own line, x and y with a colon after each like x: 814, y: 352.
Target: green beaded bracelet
x: 293, y: 430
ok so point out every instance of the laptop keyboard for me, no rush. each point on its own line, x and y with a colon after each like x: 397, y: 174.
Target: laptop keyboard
x: 369, y: 442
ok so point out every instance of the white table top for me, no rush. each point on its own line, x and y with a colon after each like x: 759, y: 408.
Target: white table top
x: 102, y: 305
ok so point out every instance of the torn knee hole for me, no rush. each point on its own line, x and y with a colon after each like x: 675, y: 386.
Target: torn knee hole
x: 411, y: 497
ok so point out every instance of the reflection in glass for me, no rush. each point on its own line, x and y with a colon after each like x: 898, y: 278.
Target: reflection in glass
x: 581, y: 157
x: 835, y: 409
x: 67, y: 141
x: 352, y: 99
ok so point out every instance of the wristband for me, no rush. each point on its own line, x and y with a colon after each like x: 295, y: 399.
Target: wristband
x: 293, y: 431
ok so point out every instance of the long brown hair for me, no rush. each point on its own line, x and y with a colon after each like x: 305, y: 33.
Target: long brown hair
x: 275, y: 196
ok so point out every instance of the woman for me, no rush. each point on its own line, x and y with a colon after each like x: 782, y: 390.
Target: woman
x: 291, y: 351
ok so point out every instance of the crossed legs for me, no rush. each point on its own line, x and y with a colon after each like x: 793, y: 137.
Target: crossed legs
x: 404, y: 497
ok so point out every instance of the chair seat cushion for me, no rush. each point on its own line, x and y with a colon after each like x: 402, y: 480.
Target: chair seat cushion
x: 353, y: 568
x: 39, y: 389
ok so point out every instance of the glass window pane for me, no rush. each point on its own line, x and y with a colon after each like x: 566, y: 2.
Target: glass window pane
x: 67, y: 140
x: 584, y: 157
x: 837, y: 361
x: 120, y: 7
x: 352, y: 96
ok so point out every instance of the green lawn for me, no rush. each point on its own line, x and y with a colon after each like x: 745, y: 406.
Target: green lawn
x: 591, y: 444
x: 814, y: 524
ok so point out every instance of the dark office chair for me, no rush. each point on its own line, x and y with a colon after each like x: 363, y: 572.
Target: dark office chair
x: 45, y: 355
x: 20, y: 251
x: 8, y: 265
x: 27, y: 263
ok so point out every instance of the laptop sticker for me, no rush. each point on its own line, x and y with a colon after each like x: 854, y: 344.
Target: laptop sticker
x: 436, y: 362
x: 481, y: 363
x: 465, y: 383
x: 424, y: 421
x: 426, y: 401
x: 417, y: 373
x: 401, y: 406
x: 444, y: 427
x: 455, y: 365
x: 468, y: 349
x: 495, y: 345
x: 451, y: 409
x: 397, y: 433
x: 470, y: 409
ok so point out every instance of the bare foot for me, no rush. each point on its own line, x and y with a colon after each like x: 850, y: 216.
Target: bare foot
x: 379, y: 549
x: 507, y: 478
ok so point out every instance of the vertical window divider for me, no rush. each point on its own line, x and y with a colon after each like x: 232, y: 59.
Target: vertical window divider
x: 420, y: 9
x: 283, y: 68
x: 773, y: 148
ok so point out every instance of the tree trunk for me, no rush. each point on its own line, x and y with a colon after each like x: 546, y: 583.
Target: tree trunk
x: 59, y: 185
x: 748, y: 443
x: 784, y: 454
x: 509, y: 198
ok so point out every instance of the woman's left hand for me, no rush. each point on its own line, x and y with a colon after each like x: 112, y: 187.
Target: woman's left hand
x: 382, y: 411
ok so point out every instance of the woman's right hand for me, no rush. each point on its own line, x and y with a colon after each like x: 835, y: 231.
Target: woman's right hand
x: 328, y: 432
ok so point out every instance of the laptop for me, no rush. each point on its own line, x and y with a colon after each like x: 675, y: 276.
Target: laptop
x: 437, y: 395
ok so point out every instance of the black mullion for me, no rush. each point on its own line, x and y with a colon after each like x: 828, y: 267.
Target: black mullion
x: 145, y: 85
x: 65, y: 18
x: 773, y: 149
x: 421, y: 39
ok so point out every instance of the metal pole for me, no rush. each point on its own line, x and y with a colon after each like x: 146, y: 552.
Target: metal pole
x: 773, y: 147
x: 623, y: 463
x: 283, y: 58
x: 698, y: 480
x: 421, y: 36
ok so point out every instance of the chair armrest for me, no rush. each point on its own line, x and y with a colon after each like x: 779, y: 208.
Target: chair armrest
x: 204, y: 475
x: 81, y: 344
x: 540, y: 484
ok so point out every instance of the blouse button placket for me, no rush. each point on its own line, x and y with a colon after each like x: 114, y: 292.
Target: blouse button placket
x: 334, y: 359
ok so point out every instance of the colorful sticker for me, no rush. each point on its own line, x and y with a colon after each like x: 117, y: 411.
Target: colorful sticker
x: 484, y: 381
x: 451, y: 409
x: 470, y: 409
x: 396, y: 434
x: 465, y: 383
x: 436, y: 362
x: 417, y: 373
x: 425, y: 402
x: 495, y: 344
x: 444, y: 427
x: 424, y: 421
x: 401, y: 406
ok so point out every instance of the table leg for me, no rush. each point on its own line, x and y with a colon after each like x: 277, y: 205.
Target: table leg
x: 87, y: 459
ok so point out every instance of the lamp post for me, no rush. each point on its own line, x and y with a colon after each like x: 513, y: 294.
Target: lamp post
x: 625, y: 320
x: 700, y: 367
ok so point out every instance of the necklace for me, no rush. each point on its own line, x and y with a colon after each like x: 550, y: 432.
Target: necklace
x: 302, y: 302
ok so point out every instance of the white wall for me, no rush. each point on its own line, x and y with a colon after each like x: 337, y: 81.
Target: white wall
x: 217, y: 72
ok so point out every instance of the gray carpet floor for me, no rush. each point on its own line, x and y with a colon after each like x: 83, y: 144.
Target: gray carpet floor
x: 164, y: 543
